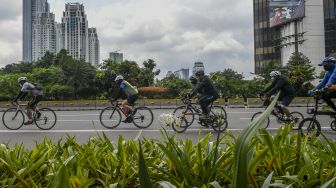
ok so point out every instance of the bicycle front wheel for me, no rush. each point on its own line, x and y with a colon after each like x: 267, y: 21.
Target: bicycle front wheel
x: 298, y: 117
x: 187, y: 114
x: 13, y: 119
x: 310, y: 127
x: 110, y: 117
x: 265, y: 124
x: 142, y: 117
x: 47, y: 119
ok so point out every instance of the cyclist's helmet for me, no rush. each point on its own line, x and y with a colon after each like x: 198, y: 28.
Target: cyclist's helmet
x: 199, y: 73
x: 21, y: 80
x: 193, y: 80
x: 119, y: 78
x: 328, y: 63
x: 275, y: 74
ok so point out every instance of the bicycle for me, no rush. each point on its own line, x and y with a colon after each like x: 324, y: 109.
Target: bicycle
x: 110, y: 117
x: 278, y: 113
x: 311, y: 124
x: 13, y: 118
x: 217, y: 118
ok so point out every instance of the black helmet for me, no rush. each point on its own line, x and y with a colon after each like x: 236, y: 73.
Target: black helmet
x: 193, y: 80
x: 199, y: 73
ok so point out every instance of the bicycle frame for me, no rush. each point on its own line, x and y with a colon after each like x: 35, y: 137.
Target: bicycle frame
x: 193, y: 107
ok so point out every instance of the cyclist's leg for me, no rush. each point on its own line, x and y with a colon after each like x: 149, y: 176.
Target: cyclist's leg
x: 327, y: 96
x: 205, y: 101
x: 30, y: 108
x: 284, y: 103
x: 129, y: 102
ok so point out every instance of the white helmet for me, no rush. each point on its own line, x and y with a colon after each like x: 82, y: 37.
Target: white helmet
x: 275, y: 74
x: 22, y: 79
x: 119, y: 77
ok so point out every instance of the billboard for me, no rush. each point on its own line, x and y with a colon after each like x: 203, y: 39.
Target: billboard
x: 282, y: 11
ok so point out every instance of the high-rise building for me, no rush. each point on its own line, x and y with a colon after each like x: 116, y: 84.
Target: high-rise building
x: 44, y: 35
x: 294, y: 26
x: 182, y: 74
x: 330, y: 26
x: 74, y: 34
x: 198, y: 66
x: 264, y: 36
x: 118, y: 57
x: 93, y: 46
x: 31, y: 9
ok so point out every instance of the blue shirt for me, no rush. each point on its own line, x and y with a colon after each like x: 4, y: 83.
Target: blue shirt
x: 329, y: 79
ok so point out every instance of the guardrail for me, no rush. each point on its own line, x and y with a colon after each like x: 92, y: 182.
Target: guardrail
x: 169, y: 103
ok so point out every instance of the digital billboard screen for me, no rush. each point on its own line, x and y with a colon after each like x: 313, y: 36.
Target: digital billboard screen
x: 282, y: 11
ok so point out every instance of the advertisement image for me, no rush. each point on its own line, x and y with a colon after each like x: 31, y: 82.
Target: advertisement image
x: 283, y: 11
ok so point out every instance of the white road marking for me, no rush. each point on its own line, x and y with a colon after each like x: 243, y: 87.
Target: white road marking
x: 117, y: 130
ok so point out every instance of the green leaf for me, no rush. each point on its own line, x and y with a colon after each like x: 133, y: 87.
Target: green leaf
x: 240, y: 177
x: 215, y: 184
x: 166, y: 184
x: 268, y: 180
x: 326, y: 185
x: 143, y: 171
x: 62, y: 178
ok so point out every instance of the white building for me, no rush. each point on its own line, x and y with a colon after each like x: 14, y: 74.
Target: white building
x: 93, y: 47
x: 310, y: 34
x: 74, y: 34
x: 44, y: 35
x: 182, y: 74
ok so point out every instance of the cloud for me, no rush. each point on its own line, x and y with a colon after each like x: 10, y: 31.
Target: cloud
x: 10, y: 10
x: 174, y: 33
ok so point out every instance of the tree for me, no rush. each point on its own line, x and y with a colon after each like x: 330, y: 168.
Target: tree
x: 299, y: 71
x: 268, y: 68
x: 175, y: 87
x: 228, y: 82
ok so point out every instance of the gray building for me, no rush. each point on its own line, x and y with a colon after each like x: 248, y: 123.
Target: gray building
x: 74, y: 31
x: 198, y: 66
x: 182, y: 74
x: 30, y: 8
x: 118, y: 57
x: 93, y: 47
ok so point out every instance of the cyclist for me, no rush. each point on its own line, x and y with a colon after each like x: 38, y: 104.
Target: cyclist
x: 132, y: 95
x: 37, y: 93
x: 287, y: 92
x: 328, y: 81
x: 208, y: 92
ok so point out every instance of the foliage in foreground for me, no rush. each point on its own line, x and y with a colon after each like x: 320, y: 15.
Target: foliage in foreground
x: 286, y: 158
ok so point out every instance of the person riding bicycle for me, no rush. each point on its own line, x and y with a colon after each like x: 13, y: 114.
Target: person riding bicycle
x: 37, y: 93
x: 208, y: 92
x: 132, y: 95
x: 328, y: 81
x: 287, y: 92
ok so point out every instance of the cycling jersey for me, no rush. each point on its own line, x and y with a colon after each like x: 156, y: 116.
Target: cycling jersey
x: 205, y: 87
x: 28, y: 87
x: 128, y: 89
x: 280, y: 84
x: 329, y: 79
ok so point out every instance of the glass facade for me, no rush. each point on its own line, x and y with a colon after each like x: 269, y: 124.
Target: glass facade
x: 330, y: 26
x: 265, y: 38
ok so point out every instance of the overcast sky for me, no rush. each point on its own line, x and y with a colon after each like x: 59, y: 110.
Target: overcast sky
x: 175, y: 33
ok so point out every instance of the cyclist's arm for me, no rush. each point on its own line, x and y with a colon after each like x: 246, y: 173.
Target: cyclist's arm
x: 332, y: 79
x: 22, y: 94
x: 276, y: 88
x: 323, y: 82
x: 270, y: 86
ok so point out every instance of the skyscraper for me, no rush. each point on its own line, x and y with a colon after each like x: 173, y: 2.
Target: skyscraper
x: 44, y: 35
x: 198, y: 66
x: 30, y: 10
x: 117, y: 57
x: 93, y: 46
x: 74, y: 36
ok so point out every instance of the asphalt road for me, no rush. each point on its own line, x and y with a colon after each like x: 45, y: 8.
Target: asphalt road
x: 85, y: 124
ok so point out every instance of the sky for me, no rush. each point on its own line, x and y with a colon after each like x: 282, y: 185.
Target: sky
x: 175, y: 33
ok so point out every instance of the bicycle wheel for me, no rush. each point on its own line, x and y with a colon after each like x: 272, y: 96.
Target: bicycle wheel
x: 265, y: 124
x: 298, y: 117
x: 218, y: 118
x: 188, y: 115
x: 181, y: 124
x: 47, y: 120
x: 142, y: 117
x: 13, y: 119
x: 110, y: 117
x: 310, y: 127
